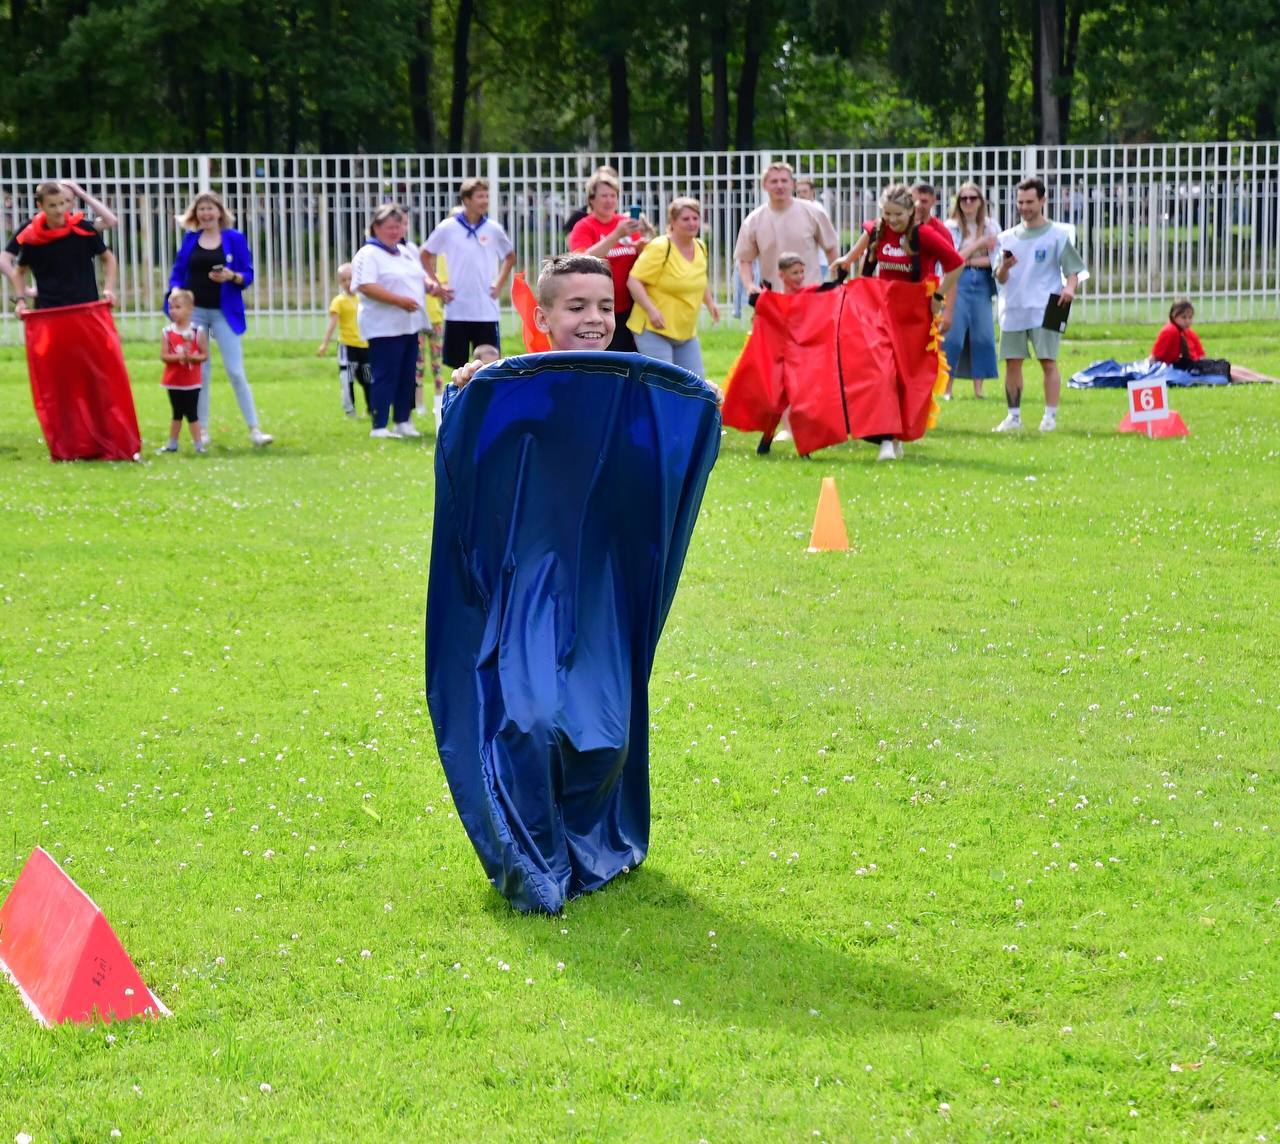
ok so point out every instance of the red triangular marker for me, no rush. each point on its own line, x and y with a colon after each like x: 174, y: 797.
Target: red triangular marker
x: 57, y: 948
x: 1171, y: 426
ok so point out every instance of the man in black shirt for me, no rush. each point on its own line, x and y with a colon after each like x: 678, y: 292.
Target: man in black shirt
x: 58, y: 246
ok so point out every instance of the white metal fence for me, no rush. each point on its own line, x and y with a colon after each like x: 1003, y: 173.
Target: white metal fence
x: 1153, y: 221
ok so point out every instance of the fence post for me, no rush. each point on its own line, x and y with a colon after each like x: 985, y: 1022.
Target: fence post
x: 1030, y: 161
x: 495, y: 187
x: 202, y: 172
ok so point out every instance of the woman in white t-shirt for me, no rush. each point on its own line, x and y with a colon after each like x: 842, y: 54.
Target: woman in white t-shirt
x: 970, y: 344
x: 388, y: 276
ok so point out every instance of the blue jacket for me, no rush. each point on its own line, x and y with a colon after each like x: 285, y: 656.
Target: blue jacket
x: 238, y: 259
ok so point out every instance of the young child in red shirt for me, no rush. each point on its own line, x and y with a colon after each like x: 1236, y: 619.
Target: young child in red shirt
x: 1178, y: 345
x: 183, y: 347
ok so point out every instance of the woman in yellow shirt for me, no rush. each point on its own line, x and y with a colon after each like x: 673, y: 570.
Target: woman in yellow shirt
x: 669, y: 285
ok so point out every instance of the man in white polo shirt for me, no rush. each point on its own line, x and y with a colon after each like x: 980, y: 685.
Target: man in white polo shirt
x: 479, y: 256
x: 1033, y: 260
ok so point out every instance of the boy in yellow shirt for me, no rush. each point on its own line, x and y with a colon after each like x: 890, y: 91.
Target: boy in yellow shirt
x: 353, y: 350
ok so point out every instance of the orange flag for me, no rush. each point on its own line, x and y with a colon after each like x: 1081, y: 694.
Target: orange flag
x: 535, y: 341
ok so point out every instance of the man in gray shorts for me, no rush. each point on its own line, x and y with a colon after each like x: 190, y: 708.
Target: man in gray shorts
x: 1033, y: 260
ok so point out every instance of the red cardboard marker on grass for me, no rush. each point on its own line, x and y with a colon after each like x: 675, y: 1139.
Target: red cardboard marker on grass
x: 1149, y: 411
x: 57, y: 948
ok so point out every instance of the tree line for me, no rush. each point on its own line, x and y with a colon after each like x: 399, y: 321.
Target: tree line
x: 535, y: 75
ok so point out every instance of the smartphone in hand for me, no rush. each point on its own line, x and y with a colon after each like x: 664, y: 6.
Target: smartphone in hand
x: 634, y: 210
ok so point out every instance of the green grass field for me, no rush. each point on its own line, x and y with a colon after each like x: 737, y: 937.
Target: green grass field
x: 969, y: 833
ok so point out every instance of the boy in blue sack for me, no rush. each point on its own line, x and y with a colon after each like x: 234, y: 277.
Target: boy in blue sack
x: 566, y: 494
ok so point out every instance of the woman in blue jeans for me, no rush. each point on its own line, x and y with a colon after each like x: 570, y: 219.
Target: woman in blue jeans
x: 970, y: 344
x: 214, y: 263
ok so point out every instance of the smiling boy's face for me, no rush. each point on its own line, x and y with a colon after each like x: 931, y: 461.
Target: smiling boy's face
x: 581, y: 316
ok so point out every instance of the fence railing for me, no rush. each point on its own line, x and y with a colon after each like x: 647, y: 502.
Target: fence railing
x: 1153, y: 221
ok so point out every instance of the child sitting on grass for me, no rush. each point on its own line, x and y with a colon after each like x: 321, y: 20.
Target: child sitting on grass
x: 183, y: 347
x: 1178, y: 345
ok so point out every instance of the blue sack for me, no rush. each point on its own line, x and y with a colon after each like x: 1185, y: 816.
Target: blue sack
x: 1110, y: 374
x: 567, y: 487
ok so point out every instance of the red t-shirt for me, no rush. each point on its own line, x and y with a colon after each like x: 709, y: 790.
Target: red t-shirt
x: 1168, y: 345
x: 622, y: 257
x: 934, y: 247
x: 176, y: 374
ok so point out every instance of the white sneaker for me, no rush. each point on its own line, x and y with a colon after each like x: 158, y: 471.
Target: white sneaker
x: 384, y: 432
x: 258, y: 437
x: 887, y: 451
x: 406, y: 429
x: 1048, y: 424
x: 1009, y: 425
x: 897, y: 450
x: 420, y: 410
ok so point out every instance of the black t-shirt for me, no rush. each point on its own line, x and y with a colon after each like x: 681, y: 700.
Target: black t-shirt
x: 207, y: 292
x: 63, y: 269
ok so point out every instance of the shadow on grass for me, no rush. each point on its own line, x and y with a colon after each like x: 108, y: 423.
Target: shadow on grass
x: 645, y: 940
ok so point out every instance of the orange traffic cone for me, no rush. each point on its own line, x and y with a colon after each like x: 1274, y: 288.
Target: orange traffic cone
x: 828, y: 522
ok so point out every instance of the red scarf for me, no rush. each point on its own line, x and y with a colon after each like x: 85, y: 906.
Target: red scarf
x: 38, y: 232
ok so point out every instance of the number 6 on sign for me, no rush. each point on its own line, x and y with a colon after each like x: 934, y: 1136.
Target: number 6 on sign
x: 1148, y: 401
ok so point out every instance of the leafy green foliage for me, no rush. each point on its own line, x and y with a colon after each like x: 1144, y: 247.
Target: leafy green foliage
x: 333, y: 75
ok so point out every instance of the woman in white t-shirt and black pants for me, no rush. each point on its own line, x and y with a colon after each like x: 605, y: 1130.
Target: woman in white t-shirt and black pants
x: 387, y: 273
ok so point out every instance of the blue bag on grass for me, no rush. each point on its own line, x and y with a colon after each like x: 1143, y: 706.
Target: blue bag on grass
x: 567, y: 487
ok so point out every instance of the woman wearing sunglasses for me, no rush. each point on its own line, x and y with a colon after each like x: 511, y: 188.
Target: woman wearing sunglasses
x: 970, y: 344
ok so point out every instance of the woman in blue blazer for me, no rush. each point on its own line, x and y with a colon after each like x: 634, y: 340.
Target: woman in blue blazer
x: 214, y: 263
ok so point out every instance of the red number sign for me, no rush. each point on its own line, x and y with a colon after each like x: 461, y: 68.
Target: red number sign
x: 1148, y: 401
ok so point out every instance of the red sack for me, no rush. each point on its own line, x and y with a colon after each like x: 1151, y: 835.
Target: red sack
x: 535, y: 341
x: 861, y: 360
x: 79, y: 384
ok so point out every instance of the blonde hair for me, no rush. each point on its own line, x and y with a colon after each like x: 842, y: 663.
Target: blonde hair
x: 182, y: 296
x: 778, y: 167
x: 786, y: 259
x: 683, y: 203
x: 384, y: 212
x: 603, y: 176
x: 46, y: 189
x: 957, y: 215
x: 470, y: 186
x: 187, y: 219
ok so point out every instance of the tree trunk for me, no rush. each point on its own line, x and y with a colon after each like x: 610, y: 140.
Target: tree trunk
x: 268, y: 138
x: 477, y: 120
x: 244, y: 100
x: 749, y: 77
x: 695, y: 130
x: 720, y: 78
x: 994, y: 81
x: 1050, y: 55
x: 424, y: 120
x: 225, y: 112
x: 619, y: 100
x: 461, y: 73
x: 1071, y: 49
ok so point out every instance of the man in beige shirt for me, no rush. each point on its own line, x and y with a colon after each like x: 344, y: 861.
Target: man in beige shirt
x: 783, y: 225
